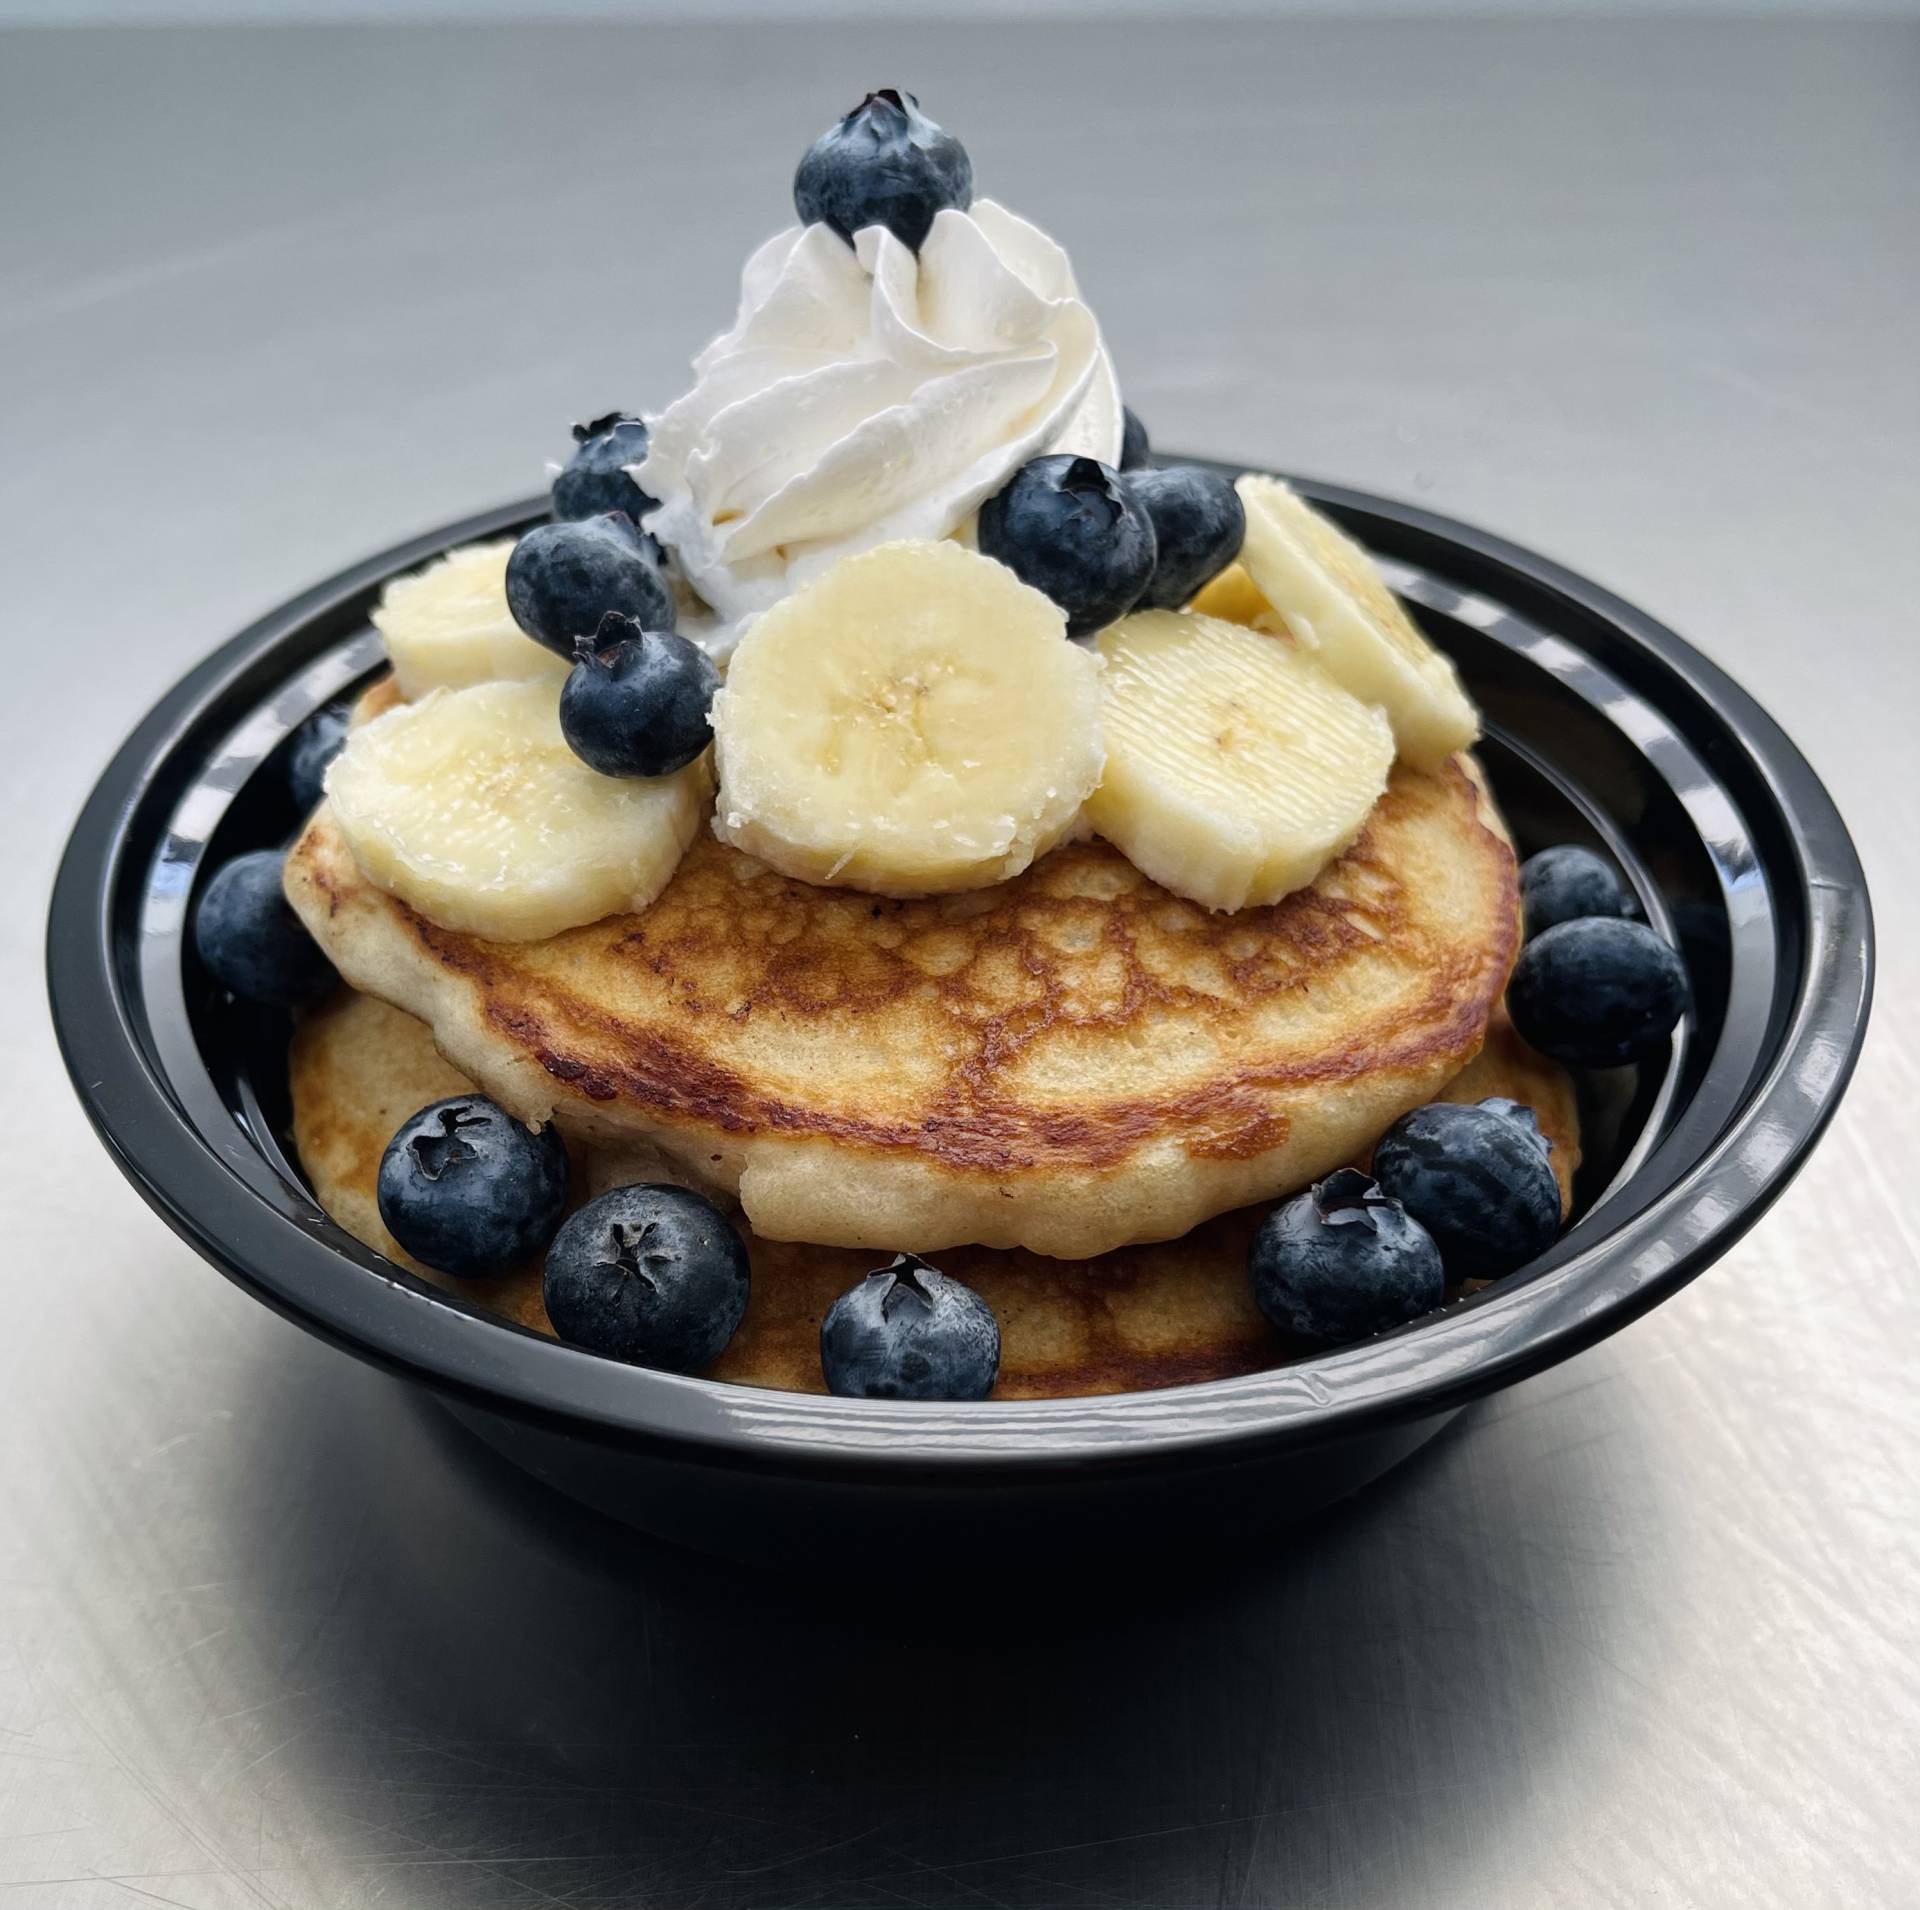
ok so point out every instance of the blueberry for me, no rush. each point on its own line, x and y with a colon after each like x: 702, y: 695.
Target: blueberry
x: 251, y: 942
x: 1343, y: 1261
x: 1597, y: 993
x: 1477, y: 1178
x: 908, y: 1332
x: 885, y: 164
x: 562, y: 579
x: 1135, y: 450
x: 470, y: 1190
x: 1198, y: 523
x: 651, y: 1274
x: 1068, y: 527
x: 595, y: 479
x: 1563, y: 884
x: 315, y: 744
x: 1525, y: 1116
x: 637, y: 701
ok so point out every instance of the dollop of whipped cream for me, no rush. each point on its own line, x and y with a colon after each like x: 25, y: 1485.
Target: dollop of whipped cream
x: 865, y: 394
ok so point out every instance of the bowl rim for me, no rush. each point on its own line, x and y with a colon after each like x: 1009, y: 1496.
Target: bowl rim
x: 1576, y: 1295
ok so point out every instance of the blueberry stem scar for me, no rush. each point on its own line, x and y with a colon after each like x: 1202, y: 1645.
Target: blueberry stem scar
x: 627, y: 1257
x: 437, y: 1152
x: 905, y: 1273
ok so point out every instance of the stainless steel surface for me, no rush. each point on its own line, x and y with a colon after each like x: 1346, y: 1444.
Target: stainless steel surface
x: 1642, y: 1630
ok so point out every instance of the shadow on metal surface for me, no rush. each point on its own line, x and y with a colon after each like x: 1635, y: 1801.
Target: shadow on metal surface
x: 507, y: 1685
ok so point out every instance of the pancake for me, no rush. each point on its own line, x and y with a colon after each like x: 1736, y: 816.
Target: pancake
x: 1073, y: 1061
x: 1141, y: 1317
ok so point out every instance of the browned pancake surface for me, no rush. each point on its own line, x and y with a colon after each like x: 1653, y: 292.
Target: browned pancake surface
x: 1072, y: 1060
x: 1140, y: 1317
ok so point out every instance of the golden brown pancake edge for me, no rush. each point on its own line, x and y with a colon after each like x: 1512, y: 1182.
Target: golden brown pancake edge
x: 1147, y: 1316
x: 1070, y: 1062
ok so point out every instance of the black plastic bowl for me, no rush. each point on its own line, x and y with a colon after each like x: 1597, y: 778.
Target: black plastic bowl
x: 1601, y: 726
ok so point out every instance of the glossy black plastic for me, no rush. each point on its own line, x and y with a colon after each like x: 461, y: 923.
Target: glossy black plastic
x: 1602, y: 726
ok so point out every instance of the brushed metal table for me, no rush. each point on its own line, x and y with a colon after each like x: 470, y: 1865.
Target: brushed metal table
x: 1643, y: 1630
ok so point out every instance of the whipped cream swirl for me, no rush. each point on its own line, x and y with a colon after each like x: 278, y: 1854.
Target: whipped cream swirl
x: 866, y: 394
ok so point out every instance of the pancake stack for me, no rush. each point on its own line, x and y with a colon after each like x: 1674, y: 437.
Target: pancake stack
x: 1072, y: 1086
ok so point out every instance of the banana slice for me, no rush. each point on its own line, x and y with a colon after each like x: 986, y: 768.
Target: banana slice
x: 448, y: 626
x: 1326, y: 591
x: 1237, y: 768
x: 913, y: 721
x: 469, y: 806
x: 1234, y: 597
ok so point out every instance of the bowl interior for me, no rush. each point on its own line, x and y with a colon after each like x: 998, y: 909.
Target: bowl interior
x: 1601, y: 728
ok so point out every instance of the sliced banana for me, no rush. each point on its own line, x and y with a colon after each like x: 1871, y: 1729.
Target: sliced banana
x: 469, y: 806
x: 913, y: 721
x: 448, y: 626
x: 1237, y: 768
x: 1327, y: 592
x: 1235, y: 597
